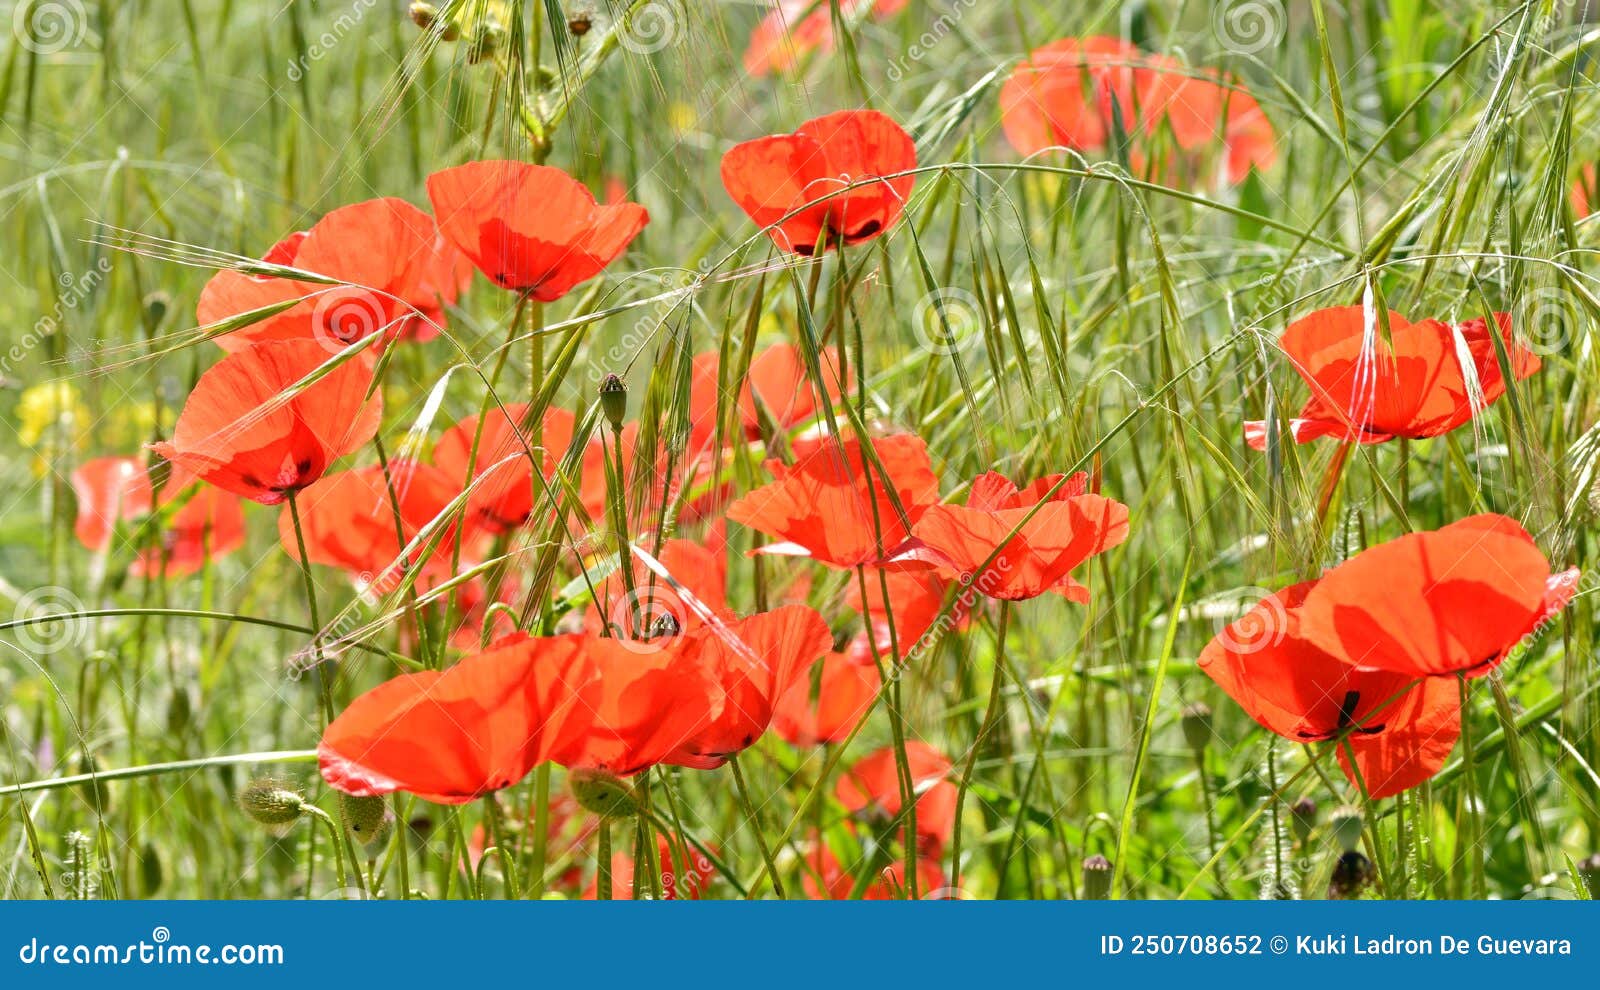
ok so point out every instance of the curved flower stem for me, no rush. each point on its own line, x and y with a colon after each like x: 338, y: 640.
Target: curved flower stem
x: 755, y: 826
x: 990, y: 715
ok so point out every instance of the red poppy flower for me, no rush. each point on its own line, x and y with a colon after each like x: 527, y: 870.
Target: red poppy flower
x: 916, y: 599
x: 1401, y: 730
x: 777, y: 388
x: 400, y: 276
x: 454, y: 735
x: 773, y: 177
x: 109, y: 490
x: 1044, y: 103
x: 796, y: 28
x: 833, y: 505
x: 531, y: 228
x: 208, y: 526
x: 656, y: 603
x: 685, y: 873
x: 826, y: 878
x: 242, y: 432
x: 847, y: 683
x: 756, y: 661
x: 1451, y: 601
x: 872, y: 787
x: 503, y: 493
x: 348, y: 519
x: 1584, y: 191
x: 1368, y: 390
x: 1069, y: 528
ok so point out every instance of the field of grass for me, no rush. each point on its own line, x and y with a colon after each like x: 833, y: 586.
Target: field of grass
x: 1112, y: 309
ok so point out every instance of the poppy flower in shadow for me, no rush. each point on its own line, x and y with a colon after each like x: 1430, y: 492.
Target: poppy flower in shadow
x: 1451, y: 601
x: 871, y: 788
x: 454, y: 735
x: 1399, y: 729
x: 1057, y: 523
x: 355, y: 520
x: 399, y: 276
x: 252, y: 428
x: 840, y: 505
x: 1365, y: 389
x: 207, y: 525
x: 503, y: 492
x: 827, y: 711
x: 813, y: 174
x: 532, y: 229
x: 795, y: 29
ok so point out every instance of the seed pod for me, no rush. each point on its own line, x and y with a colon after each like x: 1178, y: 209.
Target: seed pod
x: 1096, y: 878
x: 1346, y: 824
x: 273, y: 803
x: 602, y: 793
x: 1197, y: 725
x: 1303, y: 817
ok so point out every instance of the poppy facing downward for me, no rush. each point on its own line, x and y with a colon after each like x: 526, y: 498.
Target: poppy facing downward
x: 1399, y: 729
x: 243, y: 431
x: 531, y: 228
x: 795, y: 184
x: 454, y: 735
x: 1452, y: 601
x: 1367, y: 390
x: 1054, y: 534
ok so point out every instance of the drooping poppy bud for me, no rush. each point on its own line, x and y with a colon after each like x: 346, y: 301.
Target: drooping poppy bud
x: 1303, y: 818
x: 605, y: 794
x: 273, y: 803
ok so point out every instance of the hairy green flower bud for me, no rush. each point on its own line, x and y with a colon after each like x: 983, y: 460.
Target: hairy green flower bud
x: 1303, y: 817
x: 1346, y: 824
x: 1196, y: 723
x: 366, y: 819
x: 602, y: 793
x: 273, y: 803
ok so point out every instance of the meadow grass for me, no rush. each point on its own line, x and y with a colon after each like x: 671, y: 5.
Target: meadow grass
x: 1060, y: 313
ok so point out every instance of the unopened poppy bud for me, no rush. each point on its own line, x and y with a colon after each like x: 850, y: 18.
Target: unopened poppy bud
x: 1589, y: 872
x: 1303, y: 816
x: 1096, y: 878
x: 602, y: 793
x: 273, y: 803
x: 1346, y: 824
x: 365, y: 818
x: 1197, y: 725
x: 614, y: 400
x: 1350, y: 876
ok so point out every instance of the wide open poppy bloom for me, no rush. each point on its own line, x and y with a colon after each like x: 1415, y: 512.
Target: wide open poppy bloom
x: 349, y: 520
x: 773, y: 177
x: 1367, y: 390
x: 454, y: 735
x: 833, y: 505
x: 503, y: 493
x: 240, y: 431
x: 1070, y: 526
x: 872, y: 787
x: 401, y: 275
x: 208, y: 526
x: 1066, y: 93
x: 1401, y: 730
x: 796, y: 28
x: 531, y: 228
x: 757, y: 662
x: 1452, y: 601
x: 847, y: 683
